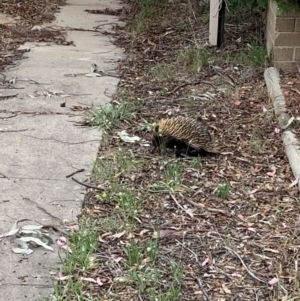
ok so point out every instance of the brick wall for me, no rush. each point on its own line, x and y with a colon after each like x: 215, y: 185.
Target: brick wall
x: 283, y: 37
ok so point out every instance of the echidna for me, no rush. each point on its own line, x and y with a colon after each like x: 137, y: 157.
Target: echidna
x: 182, y: 134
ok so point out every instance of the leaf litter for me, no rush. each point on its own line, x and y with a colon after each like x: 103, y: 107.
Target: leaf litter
x: 26, y: 235
x: 241, y: 247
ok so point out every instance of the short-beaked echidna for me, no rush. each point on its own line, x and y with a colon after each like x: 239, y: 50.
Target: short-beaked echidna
x: 182, y: 133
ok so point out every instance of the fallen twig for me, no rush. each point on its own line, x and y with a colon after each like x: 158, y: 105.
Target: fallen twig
x: 244, y: 265
x: 88, y: 185
x: 8, y: 96
x: 199, y: 205
x: 75, y: 172
x: 12, y: 131
x: 9, y: 116
x: 191, y: 84
x: 3, y: 176
x: 207, y: 297
x: 179, y: 206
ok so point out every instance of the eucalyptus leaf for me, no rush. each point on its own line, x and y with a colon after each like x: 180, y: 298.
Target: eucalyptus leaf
x: 37, y: 241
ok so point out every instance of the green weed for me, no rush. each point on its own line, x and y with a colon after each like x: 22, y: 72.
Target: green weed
x: 192, y: 58
x: 108, y: 116
x: 162, y: 72
x: 223, y: 190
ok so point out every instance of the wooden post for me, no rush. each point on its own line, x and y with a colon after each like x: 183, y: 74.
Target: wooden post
x: 214, y: 22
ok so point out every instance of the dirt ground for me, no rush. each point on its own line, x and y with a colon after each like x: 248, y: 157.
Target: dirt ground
x: 240, y: 247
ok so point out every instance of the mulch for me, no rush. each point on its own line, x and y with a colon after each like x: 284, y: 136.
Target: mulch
x: 244, y: 246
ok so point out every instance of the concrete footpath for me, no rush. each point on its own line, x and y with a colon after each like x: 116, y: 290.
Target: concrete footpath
x: 40, y: 144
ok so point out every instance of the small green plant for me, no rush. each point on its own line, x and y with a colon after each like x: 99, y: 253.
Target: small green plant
x: 146, y: 126
x: 83, y: 244
x: 196, y: 163
x: 139, y: 278
x: 152, y: 250
x: 174, y: 292
x: 70, y: 290
x: 111, y: 168
x: 134, y: 253
x: 158, y: 296
x: 126, y: 162
x: 177, y: 272
x: 256, y: 142
x: 144, y: 278
x: 192, y: 58
x: 257, y: 56
x: 128, y: 203
x: 173, y: 178
x: 162, y: 72
x: 147, y: 9
x: 107, y: 116
x: 103, y: 170
x: 223, y: 190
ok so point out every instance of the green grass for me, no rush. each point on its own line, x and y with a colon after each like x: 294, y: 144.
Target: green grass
x: 108, y: 116
x: 255, y: 56
x: 146, y: 126
x: 256, y: 142
x: 192, y: 58
x: 134, y: 253
x: 83, y: 244
x: 196, y: 163
x: 129, y: 204
x: 223, y: 190
x: 148, y: 9
x: 162, y: 72
x: 172, y: 178
x: 114, y: 166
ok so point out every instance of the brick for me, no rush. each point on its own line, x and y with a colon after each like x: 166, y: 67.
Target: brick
x: 287, y: 66
x: 290, y: 15
x: 287, y: 39
x: 285, y: 24
x: 297, y: 24
x: 283, y: 53
x: 297, y: 54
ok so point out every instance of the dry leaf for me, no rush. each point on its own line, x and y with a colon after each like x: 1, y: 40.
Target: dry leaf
x: 273, y: 281
x: 294, y: 183
x: 205, y: 261
x: 226, y: 289
x: 118, y: 235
